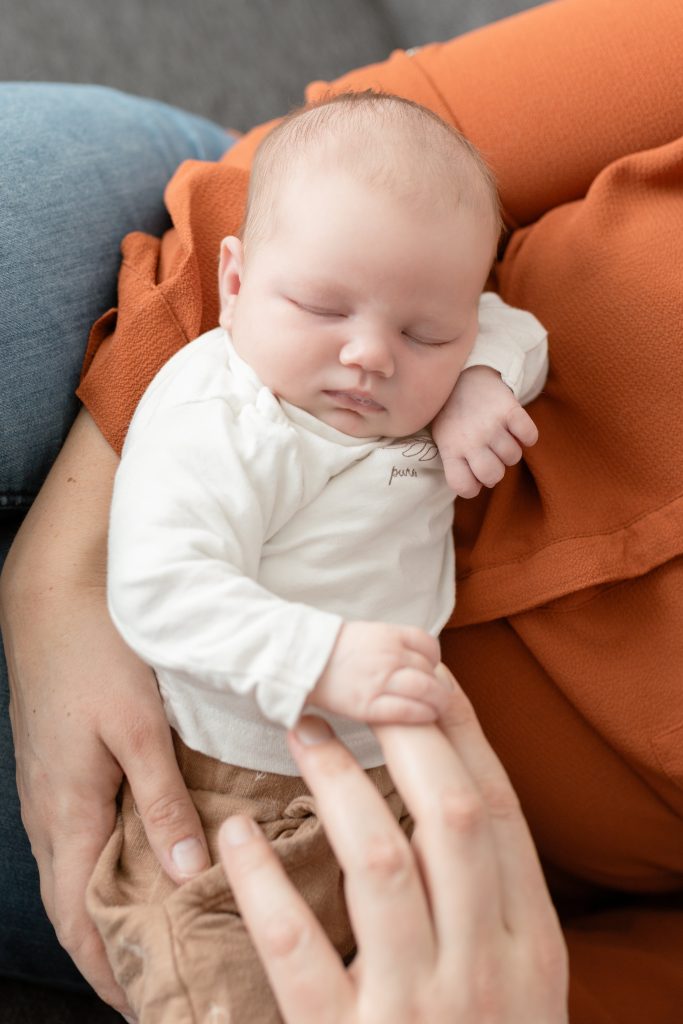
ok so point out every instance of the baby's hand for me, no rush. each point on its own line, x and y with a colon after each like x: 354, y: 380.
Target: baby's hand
x: 480, y: 431
x: 379, y: 673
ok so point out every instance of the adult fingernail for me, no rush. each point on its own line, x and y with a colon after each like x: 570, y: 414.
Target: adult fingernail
x: 312, y: 730
x: 189, y: 856
x: 238, y: 830
x: 131, y: 1020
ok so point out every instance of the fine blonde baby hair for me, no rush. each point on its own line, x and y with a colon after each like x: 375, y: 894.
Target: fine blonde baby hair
x: 392, y: 144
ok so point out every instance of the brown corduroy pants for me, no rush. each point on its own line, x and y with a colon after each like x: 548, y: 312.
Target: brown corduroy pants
x: 182, y: 953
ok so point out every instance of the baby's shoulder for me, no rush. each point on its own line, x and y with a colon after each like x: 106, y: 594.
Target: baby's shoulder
x: 197, y: 371
x: 207, y: 377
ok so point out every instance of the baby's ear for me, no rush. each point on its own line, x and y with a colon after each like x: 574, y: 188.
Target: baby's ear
x: 230, y: 268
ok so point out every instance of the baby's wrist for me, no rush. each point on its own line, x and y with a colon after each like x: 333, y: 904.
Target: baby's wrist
x: 481, y: 370
x: 481, y: 375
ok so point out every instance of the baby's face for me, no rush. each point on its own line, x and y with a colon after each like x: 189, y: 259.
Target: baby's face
x: 355, y: 309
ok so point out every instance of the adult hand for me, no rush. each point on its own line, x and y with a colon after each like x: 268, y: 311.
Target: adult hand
x: 84, y: 709
x: 455, y: 928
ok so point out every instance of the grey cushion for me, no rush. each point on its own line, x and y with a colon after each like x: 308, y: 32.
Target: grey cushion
x: 236, y: 61
x: 415, y: 22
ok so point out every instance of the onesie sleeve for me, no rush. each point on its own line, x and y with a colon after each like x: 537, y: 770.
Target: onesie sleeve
x: 513, y: 342
x: 198, y: 490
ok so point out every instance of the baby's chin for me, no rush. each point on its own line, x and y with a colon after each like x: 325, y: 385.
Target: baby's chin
x: 356, y: 425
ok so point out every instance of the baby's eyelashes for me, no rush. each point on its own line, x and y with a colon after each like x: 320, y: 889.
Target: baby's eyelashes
x: 317, y: 310
x: 429, y: 342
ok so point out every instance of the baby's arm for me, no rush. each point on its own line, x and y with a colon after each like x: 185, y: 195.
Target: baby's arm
x: 483, y: 427
x: 194, y: 500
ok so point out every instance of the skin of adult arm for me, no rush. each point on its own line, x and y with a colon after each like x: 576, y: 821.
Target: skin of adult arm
x: 455, y: 927
x: 84, y: 709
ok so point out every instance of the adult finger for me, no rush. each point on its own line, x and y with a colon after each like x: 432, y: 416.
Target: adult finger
x: 386, y: 899
x: 521, y: 426
x: 305, y: 972
x: 168, y: 815
x: 63, y: 887
x: 524, y: 895
x: 453, y: 836
x: 79, y: 937
x: 68, y: 830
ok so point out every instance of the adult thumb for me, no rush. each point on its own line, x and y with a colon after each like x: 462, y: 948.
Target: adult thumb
x: 168, y: 815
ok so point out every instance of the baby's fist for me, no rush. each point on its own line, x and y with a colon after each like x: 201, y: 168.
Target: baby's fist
x: 480, y: 431
x: 380, y: 673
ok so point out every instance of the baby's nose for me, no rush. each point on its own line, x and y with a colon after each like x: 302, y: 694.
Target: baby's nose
x: 372, y: 351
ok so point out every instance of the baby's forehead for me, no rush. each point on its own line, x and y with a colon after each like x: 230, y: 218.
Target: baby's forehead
x: 390, y: 176
x: 390, y: 158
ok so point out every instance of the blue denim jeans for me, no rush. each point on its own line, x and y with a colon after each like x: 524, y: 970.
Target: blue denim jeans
x: 81, y: 167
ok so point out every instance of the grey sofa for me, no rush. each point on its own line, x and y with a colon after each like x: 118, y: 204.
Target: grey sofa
x: 235, y: 61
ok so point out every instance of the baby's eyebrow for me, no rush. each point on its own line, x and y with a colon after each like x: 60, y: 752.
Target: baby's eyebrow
x: 438, y: 330
x: 322, y: 288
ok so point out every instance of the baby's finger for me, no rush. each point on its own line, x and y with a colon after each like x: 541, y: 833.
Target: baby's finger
x: 422, y: 644
x: 460, y: 477
x: 305, y: 972
x: 506, y: 448
x: 486, y: 466
x: 386, y: 709
x: 521, y: 425
x: 421, y: 686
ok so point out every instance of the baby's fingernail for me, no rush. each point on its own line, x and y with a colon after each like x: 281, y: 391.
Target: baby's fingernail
x: 239, y: 830
x: 131, y: 1020
x: 189, y: 857
x: 444, y: 676
x: 312, y: 730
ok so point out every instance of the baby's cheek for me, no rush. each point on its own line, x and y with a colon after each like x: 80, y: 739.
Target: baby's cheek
x: 438, y: 388
x: 420, y: 408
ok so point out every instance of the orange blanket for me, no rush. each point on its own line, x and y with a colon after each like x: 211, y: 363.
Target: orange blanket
x: 568, y: 633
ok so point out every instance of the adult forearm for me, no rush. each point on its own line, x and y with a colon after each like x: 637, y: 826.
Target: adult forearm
x: 62, y: 541
x: 84, y: 709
